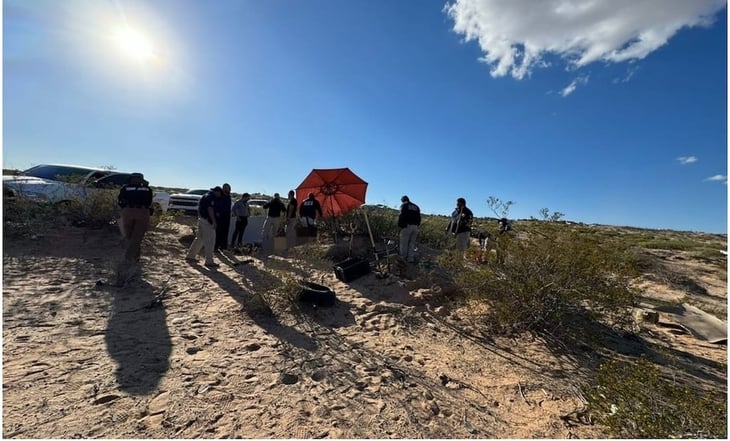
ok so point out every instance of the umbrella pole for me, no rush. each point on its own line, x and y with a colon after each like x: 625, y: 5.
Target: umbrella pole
x: 372, y: 241
x: 332, y: 211
x: 370, y: 233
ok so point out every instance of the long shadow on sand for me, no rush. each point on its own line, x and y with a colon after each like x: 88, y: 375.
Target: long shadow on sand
x: 137, y: 338
x: 257, y: 310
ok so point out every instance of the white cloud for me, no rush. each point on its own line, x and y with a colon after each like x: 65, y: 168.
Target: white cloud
x: 515, y: 35
x: 574, y: 85
x: 630, y: 72
x: 684, y: 160
x: 722, y: 178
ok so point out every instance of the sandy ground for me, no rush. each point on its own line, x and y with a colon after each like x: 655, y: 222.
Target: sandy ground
x: 182, y: 351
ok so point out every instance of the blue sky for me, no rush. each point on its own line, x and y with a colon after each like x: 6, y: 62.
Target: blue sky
x: 609, y: 112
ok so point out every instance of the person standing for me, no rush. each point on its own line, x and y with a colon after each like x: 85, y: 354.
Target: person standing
x: 409, y: 220
x: 274, y: 208
x: 205, y: 237
x: 503, y: 225
x: 223, y: 218
x: 308, y: 212
x: 241, y: 212
x: 291, y: 220
x: 460, y: 224
x: 135, y: 198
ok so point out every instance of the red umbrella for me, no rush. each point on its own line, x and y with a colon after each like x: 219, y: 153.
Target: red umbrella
x: 338, y: 190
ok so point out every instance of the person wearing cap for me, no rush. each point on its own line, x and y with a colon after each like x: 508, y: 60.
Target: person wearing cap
x: 205, y: 236
x: 223, y: 218
x: 291, y: 220
x: 308, y: 212
x: 240, y: 211
x: 274, y: 210
x: 460, y: 224
x: 409, y: 220
x: 135, y: 198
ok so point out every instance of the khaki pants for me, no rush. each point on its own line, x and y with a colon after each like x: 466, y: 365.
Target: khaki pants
x: 205, y: 238
x: 135, y: 222
x: 271, y: 227
x: 462, y: 241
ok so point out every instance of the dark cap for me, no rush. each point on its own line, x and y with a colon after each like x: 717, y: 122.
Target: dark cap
x: 461, y: 201
x: 311, y: 195
x: 404, y: 198
x: 217, y: 188
x: 245, y: 195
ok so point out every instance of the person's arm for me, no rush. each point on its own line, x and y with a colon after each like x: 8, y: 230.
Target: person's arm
x: 319, y: 209
x: 211, y: 215
x: 121, y: 199
x: 402, y: 217
x: 149, y: 197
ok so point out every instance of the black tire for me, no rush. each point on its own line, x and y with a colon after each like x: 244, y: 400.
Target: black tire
x: 316, y: 294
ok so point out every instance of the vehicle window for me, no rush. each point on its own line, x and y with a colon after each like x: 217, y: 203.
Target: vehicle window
x: 112, y: 181
x: 197, y: 191
x: 57, y: 173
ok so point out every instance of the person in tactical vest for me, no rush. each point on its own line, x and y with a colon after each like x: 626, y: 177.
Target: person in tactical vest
x: 206, y: 232
x: 135, y: 198
x: 308, y: 211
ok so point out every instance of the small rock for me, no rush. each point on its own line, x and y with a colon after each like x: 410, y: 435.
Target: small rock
x: 288, y: 379
x: 106, y: 399
x: 252, y: 347
x: 192, y: 350
x: 178, y: 320
x: 434, y: 408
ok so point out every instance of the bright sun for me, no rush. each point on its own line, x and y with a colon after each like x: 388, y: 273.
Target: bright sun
x: 135, y: 44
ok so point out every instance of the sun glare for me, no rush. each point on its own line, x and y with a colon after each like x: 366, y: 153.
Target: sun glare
x: 135, y: 45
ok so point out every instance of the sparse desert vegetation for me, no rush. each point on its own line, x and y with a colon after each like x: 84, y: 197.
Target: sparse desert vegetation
x: 562, y: 293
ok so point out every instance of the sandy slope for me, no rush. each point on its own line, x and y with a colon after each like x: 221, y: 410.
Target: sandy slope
x: 185, y: 352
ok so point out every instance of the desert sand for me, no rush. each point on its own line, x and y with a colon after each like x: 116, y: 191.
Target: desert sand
x: 181, y: 351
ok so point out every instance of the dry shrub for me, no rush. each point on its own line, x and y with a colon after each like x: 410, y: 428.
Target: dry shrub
x: 26, y: 218
x: 634, y: 401
x: 545, y: 280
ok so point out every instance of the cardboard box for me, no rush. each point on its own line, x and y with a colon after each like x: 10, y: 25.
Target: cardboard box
x: 279, y: 243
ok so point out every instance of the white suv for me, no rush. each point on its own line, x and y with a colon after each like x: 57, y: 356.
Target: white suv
x: 187, y: 202
x: 57, y: 183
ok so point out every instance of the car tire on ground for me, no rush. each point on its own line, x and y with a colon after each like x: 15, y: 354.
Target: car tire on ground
x: 316, y: 294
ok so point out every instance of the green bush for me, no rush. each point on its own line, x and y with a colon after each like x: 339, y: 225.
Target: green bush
x: 384, y: 224
x: 545, y: 279
x: 634, y: 401
x: 24, y: 217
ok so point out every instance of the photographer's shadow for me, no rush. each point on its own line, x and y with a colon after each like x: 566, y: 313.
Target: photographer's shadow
x: 137, y: 338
